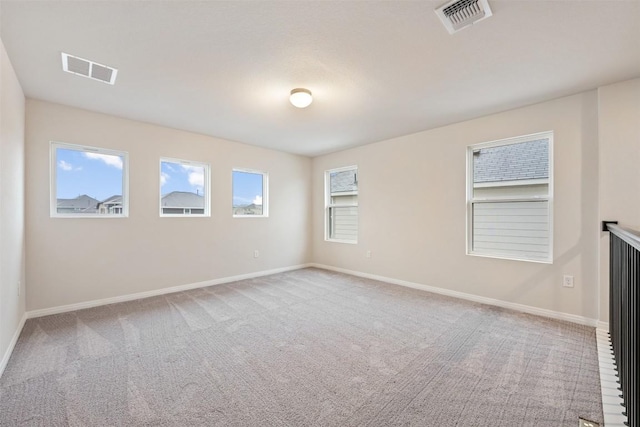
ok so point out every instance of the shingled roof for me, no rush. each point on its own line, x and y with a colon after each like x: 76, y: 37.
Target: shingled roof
x: 83, y: 203
x: 182, y: 199
x: 116, y: 198
x: 513, y: 162
x: 344, y: 181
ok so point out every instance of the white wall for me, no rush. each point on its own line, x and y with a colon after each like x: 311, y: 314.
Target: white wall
x: 619, y: 127
x: 12, y: 306
x: 412, y: 209
x: 77, y: 260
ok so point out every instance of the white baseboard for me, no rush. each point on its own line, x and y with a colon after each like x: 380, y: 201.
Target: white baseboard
x: 603, y: 325
x: 612, y: 408
x: 156, y: 292
x: 12, y: 344
x: 470, y: 297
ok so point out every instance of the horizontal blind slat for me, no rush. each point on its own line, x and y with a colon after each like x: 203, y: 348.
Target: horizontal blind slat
x: 511, y: 228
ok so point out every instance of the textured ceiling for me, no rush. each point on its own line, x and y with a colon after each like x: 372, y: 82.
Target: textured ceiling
x: 377, y: 69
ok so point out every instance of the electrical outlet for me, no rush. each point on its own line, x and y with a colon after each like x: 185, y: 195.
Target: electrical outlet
x: 368, y: 254
x: 567, y: 281
x: 256, y: 254
x: 585, y: 423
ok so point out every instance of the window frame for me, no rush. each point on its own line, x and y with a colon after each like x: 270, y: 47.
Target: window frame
x: 265, y: 193
x: 53, y: 178
x: 328, y: 205
x: 471, y: 200
x: 206, y: 190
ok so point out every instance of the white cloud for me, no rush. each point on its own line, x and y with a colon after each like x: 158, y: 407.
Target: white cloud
x: 257, y: 200
x: 196, y: 175
x: 115, y: 161
x: 163, y: 178
x: 196, y: 178
x: 64, y: 165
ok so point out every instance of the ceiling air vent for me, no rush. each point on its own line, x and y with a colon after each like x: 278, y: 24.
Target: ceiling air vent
x: 459, y: 14
x: 85, y: 68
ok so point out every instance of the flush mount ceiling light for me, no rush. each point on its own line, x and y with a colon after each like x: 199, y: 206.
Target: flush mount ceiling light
x: 301, y: 98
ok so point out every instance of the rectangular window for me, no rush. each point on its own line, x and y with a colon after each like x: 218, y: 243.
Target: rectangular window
x: 341, y: 205
x: 184, y: 188
x: 88, y: 182
x: 509, y: 198
x: 250, y: 193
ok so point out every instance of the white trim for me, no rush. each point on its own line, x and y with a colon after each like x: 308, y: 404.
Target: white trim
x: 512, y: 140
x: 140, y: 295
x: 523, y: 182
x: 265, y: 193
x: 53, y: 178
x: 328, y: 205
x: 12, y: 344
x: 509, y: 258
x: 510, y: 199
x: 469, y: 297
x: 344, y: 193
x: 349, y: 242
x: 603, y: 325
x: 206, y: 188
x: 549, y: 135
x: 611, y: 401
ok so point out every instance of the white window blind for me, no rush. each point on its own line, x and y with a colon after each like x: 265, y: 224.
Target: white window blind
x: 341, y: 195
x: 512, y: 228
x: 509, y: 198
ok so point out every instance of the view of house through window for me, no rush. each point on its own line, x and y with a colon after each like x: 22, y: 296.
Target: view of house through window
x: 88, y: 181
x: 184, y: 188
x: 509, y: 198
x: 341, y: 214
x: 250, y: 190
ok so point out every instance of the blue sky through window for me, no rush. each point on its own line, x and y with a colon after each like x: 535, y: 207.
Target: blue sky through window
x: 100, y: 176
x: 247, y: 188
x: 81, y: 172
x: 181, y: 177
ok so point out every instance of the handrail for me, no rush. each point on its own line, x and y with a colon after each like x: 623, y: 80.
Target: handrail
x: 630, y: 236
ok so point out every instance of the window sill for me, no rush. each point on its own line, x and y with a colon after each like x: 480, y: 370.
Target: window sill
x: 510, y: 258
x: 88, y: 216
x: 350, y: 242
x: 185, y: 216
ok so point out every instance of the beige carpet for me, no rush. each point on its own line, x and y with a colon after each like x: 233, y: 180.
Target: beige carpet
x: 304, y: 348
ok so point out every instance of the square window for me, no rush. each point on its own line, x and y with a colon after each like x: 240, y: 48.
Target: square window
x: 250, y: 193
x: 184, y: 188
x: 88, y: 181
x: 509, y: 198
x: 341, y: 205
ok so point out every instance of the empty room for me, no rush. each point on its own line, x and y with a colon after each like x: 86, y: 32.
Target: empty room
x: 319, y: 213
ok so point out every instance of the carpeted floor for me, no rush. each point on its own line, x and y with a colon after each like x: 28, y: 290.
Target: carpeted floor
x: 303, y: 348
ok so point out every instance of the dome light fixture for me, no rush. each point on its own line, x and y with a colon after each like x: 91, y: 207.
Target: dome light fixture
x: 301, y: 97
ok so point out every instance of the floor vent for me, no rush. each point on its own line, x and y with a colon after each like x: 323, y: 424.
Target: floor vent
x: 85, y: 68
x: 459, y: 14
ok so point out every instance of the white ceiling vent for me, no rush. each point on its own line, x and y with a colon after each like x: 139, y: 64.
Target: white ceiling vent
x: 459, y: 14
x: 85, y: 68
